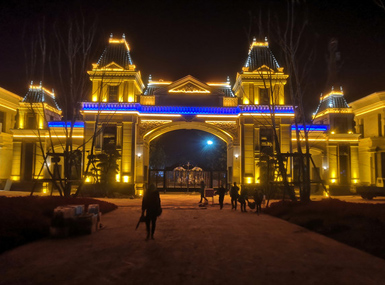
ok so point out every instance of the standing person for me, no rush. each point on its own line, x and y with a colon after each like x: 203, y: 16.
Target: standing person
x: 151, y: 204
x: 234, y: 196
x: 203, y: 185
x: 258, y: 198
x: 221, y: 192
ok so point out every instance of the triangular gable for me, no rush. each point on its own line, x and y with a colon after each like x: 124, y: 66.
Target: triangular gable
x: 113, y: 65
x: 189, y: 84
x: 264, y: 68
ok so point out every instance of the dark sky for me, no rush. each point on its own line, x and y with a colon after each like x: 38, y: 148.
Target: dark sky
x: 209, y: 39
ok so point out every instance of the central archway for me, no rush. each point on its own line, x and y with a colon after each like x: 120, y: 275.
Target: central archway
x: 143, y: 144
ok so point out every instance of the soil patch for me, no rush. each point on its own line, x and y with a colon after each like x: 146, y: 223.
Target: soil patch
x: 359, y: 225
x: 25, y: 219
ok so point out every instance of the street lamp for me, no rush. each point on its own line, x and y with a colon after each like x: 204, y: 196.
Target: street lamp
x: 209, y: 142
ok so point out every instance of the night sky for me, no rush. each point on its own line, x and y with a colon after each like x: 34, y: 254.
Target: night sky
x: 209, y: 40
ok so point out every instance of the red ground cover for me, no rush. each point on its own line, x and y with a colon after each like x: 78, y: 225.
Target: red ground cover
x: 25, y: 219
x: 356, y: 224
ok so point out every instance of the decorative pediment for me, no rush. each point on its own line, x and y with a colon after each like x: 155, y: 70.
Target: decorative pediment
x: 113, y: 65
x: 264, y: 69
x: 189, y: 84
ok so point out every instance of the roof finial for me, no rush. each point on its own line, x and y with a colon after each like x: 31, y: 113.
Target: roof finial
x: 41, y: 83
x: 111, y: 35
x: 228, y: 79
x: 149, y: 78
x: 124, y: 36
x: 332, y: 88
x: 254, y: 39
x: 31, y: 82
x: 266, y: 39
x: 341, y: 89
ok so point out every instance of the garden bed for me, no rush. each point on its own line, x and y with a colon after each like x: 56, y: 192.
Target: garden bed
x: 356, y: 224
x: 25, y: 219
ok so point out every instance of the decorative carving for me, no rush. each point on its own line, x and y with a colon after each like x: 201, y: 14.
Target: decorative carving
x: 188, y: 88
x: 229, y: 127
x: 148, y: 125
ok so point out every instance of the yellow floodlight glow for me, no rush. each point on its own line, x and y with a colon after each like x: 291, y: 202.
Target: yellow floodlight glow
x: 38, y: 87
x: 224, y: 84
x: 249, y: 180
x: 140, y: 192
x: 246, y: 101
x: 130, y: 99
x: 151, y: 121
x: 160, y: 115
x: 88, y: 179
x: 46, y: 136
x: 217, y: 116
x: 334, y: 92
x: 326, y: 194
x: 7, y: 107
x: 119, y: 41
x: 369, y: 110
x: 267, y: 114
x: 117, y: 177
x: 126, y: 179
x: 189, y: 91
x: 333, y: 180
x: 15, y: 177
x: 221, y: 122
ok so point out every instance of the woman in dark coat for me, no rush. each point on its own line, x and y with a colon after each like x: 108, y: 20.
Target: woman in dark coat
x: 151, y: 204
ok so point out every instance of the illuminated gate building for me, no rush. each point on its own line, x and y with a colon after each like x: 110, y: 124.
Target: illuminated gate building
x: 131, y: 113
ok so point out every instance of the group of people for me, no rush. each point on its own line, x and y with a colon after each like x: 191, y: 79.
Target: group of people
x: 243, y: 198
x: 152, y: 207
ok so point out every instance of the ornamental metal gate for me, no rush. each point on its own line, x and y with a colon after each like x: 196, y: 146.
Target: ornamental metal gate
x: 185, y: 181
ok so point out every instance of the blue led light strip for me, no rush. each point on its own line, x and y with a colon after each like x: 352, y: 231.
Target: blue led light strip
x: 90, y: 106
x: 59, y: 124
x: 319, y: 128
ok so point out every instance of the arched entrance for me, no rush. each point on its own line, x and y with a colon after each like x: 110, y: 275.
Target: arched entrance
x: 157, y: 128
x: 181, y: 159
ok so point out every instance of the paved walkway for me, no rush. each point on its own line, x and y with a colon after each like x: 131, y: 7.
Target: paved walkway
x: 192, y: 246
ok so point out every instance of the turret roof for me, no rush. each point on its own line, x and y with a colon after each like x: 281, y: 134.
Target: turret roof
x: 334, y: 99
x: 259, y: 55
x: 38, y: 94
x: 117, y: 51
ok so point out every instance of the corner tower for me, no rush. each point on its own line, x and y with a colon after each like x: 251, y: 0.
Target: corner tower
x: 261, y: 81
x: 115, y: 77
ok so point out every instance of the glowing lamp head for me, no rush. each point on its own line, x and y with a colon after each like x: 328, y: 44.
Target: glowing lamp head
x: 209, y: 142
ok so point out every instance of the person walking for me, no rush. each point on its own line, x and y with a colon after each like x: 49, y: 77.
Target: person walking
x: 151, y: 204
x: 242, y: 199
x: 221, y: 192
x: 202, y: 189
x: 234, y: 196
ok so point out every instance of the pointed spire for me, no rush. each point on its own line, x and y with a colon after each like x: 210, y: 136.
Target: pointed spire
x: 124, y: 36
x: 228, y: 79
x: 342, y: 91
x: 149, y: 78
x: 41, y: 83
x: 31, y: 82
x: 111, y: 35
x: 254, y: 40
